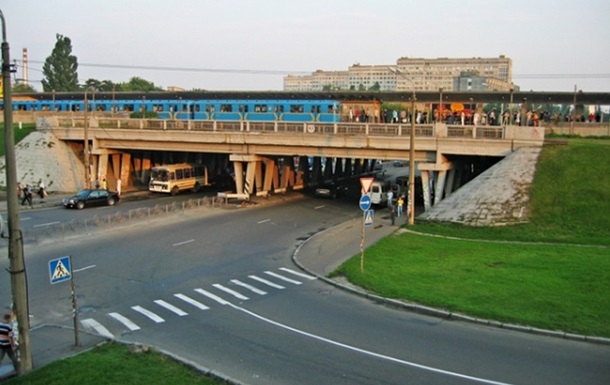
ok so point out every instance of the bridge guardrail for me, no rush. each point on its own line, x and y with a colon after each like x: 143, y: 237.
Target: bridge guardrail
x: 97, y: 223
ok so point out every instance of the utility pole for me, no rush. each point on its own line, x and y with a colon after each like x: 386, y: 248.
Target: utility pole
x: 15, y: 244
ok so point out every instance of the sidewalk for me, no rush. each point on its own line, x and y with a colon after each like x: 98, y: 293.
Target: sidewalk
x: 52, y: 343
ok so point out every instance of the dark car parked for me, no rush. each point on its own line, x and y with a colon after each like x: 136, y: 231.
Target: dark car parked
x: 331, y: 189
x: 92, y: 197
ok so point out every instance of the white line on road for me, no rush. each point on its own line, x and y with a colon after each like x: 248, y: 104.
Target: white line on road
x: 230, y: 291
x: 266, y: 282
x: 249, y: 287
x: 319, y: 207
x: 171, y: 307
x: 46, y: 224
x: 83, y: 268
x: 191, y: 301
x: 266, y: 220
x: 212, y: 296
x: 125, y: 321
x: 148, y: 313
x: 271, y: 273
x: 298, y: 273
x: 183, y: 243
x: 368, y: 352
x: 92, y: 324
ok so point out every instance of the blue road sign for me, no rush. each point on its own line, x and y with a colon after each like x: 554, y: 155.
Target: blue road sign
x: 60, y: 269
x: 368, y: 218
x: 365, y: 202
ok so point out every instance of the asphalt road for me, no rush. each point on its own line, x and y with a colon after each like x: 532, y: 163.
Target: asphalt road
x: 218, y: 289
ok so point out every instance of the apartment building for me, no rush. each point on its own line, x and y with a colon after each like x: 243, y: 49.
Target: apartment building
x: 419, y: 74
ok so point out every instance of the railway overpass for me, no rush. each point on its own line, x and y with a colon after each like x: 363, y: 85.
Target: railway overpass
x: 270, y: 157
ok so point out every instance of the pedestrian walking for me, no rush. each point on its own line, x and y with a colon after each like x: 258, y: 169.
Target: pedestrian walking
x: 27, y: 196
x: 400, y: 205
x: 105, y: 184
x: 7, y: 341
x: 118, y: 187
x: 393, y: 214
x: 41, y: 189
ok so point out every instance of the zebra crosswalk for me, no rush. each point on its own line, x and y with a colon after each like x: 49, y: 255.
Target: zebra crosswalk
x: 202, y: 300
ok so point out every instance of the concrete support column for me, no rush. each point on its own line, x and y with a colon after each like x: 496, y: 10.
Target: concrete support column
x: 287, y: 173
x: 425, y: 182
x: 316, y: 169
x: 328, y: 169
x: 449, y: 186
x: 238, y: 168
x: 250, y: 173
x: 439, y: 189
x: 258, y: 177
x: 125, y: 173
x: 102, y: 167
x: 271, y: 175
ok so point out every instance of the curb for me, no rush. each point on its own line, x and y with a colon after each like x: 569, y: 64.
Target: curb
x: 440, y: 313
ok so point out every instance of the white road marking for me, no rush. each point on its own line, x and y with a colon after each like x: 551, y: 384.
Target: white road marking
x: 249, y: 287
x: 266, y: 220
x: 125, y: 321
x: 212, y: 296
x: 46, y: 224
x: 148, y: 313
x: 319, y: 207
x: 191, y: 301
x: 83, y: 269
x: 368, y: 352
x: 183, y: 243
x: 25, y: 219
x: 171, y: 307
x: 230, y: 291
x: 298, y: 273
x: 271, y: 273
x: 92, y: 324
x: 266, y: 282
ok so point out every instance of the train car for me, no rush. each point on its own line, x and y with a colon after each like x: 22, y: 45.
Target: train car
x: 327, y: 111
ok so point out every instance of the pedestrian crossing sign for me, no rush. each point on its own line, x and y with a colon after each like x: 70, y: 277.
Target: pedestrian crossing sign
x: 368, y: 218
x: 60, y: 269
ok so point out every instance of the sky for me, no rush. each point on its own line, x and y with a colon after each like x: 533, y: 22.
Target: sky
x: 555, y: 45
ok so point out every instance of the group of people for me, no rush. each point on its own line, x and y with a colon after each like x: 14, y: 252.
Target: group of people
x: 24, y: 192
x: 396, y: 206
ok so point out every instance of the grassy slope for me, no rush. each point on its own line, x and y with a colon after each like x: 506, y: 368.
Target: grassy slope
x: 557, y: 286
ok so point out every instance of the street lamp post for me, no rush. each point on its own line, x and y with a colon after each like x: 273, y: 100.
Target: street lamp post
x: 86, y: 142
x: 15, y: 243
x: 411, y: 200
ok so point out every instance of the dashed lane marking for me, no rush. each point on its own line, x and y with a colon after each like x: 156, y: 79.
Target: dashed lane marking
x: 171, y: 307
x: 286, y: 279
x: 191, y: 301
x: 266, y: 282
x: 230, y: 291
x: 125, y: 321
x: 249, y: 287
x: 212, y: 296
x: 92, y: 324
x: 148, y: 314
x: 298, y: 273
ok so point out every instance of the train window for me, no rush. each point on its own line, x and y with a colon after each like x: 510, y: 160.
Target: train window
x: 297, y: 108
x: 185, y: 108
x: 226, y: 108
x: 243, y: 108
x: 315, y: 109
x: 279, y: 109
x: 261, y: 108
x: 197, y: 108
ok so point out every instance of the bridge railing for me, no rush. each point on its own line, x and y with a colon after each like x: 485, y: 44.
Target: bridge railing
x: 366, y: 129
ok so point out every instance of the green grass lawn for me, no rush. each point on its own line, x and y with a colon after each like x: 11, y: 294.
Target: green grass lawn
x: 115, y: 364
x: 559, y: 285
x: 19, y: 133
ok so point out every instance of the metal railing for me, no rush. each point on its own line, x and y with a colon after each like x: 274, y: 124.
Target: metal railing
x: 97, y: 223
x: 365, y: 129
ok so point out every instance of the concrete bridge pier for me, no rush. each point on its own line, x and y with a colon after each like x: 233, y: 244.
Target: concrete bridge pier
x: 438, y: 173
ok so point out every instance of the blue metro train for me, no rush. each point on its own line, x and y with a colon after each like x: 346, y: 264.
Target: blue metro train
x: 207, y: 109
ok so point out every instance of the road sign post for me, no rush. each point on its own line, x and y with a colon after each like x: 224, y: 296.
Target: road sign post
x: 365, y: 205
x: 60, y: 270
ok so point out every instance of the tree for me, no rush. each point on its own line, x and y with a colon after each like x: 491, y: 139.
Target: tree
x: 60, y: 68
x: 23, y: 88
x: 138, y: 84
